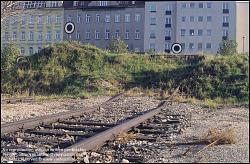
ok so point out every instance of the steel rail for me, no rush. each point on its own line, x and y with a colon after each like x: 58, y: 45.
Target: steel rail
x: 33, y: 122
x: 67, y: 155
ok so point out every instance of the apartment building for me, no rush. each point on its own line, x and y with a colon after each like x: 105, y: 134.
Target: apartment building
x: 199, y: 26
x: 98, y: 22
x: 38, y: 25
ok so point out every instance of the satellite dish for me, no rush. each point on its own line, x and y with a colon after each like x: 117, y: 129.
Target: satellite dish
x: 69, y: 27
x: 176, y: 48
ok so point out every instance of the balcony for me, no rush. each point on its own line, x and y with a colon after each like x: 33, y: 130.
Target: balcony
x: 167, y: 38
x: 168, y: 25
x: 225, y: 24
x: 168, y: 12
x: 225, y: 11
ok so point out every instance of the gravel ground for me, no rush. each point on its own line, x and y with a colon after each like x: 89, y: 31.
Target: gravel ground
x: 20, y: 111
x: 201, y: 122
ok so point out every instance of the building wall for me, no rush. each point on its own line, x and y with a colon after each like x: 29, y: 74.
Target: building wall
x: 242, y: 26
x: 82, y: 27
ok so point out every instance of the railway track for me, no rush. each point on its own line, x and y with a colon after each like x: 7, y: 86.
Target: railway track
x: 59, y: 137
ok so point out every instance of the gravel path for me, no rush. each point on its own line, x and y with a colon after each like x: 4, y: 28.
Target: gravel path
x: 20, y: 111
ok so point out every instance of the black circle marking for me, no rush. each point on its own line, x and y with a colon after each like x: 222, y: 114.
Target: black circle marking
x: 176, y: 48
x: 69, y: 27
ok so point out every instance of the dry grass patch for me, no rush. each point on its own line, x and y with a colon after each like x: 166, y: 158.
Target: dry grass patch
x: 221, y: 137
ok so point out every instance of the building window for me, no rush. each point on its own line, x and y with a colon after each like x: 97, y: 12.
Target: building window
x: 168, y: 32
x: 167, y: 46
x: 152, y: 34
x: 40, y: 36
x: 199, y: 46
x: 152, y: 21
x: 117, y: 18
x: 14, y: 35
x: 54, y: 4
x: 137, y: 17
x: 97, y: 35
x: 152, y: 46
x: 169, y: 7
x: 183, y: 32
x: 225, y: 5
x: 23, y: 20
x: 97, y: 18
x: 49, y: 19
x: 117, y: 34
x: 13, y: 20
x: 58, y: 35
x: 69, y: 18
x: 107, y: 18
x: 209, y: 46
x: 200, y: 32
x: 183, y: 19
x: 31, y: 36
x: 75, y: 3
x: 32, y: 19
x: 200, y: 18
x: 22, y: 50
x: 78, y: 18
x: 225, y: 32
x: 191, y: 18
x: 58, y: 19
x: 137, y: 34
x: 23, y: 35
x: 200, y: 5
x: 183, y: 46
x: 77, y: 35
x: 107, y: 34
x: 87, y: 18
x: 31, y: 50
x: 191, y: 32
x: 48, y: 36
x: 225, y: 19
x: 183, y: 5
x: 168, y: 20
x: 152, y: 8
x: 209, y: 18
x: 127, y: 34
x: 6, y: 36
x: 191, y: 46
x: 192, y: 5
x: 209, y: 5
x: 40, y: 19
x: 209, y: 32
x: 103, y: 3
x: 127, y: 17
x: 87, y: 35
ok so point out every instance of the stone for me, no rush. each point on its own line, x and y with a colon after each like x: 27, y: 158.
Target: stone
x: 94, y: 154
x: 19, y: 140
x: 125, y: 161
x: 86, y: 159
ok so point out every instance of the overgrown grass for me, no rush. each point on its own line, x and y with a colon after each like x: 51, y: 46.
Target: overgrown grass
x: 74, y: 70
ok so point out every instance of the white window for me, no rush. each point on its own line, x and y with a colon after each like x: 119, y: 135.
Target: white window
x: 48, y: 36
x: 200, y: 18
x: 167, y: 46
x: 191, y: 18
x: 87, y: 18
x: 152, y: 8
x: 97, y: 35
x: 40, y: 36
x: 23, y: 20
x: 31, y: 50
x: 103, y: 3
x: 127, y: 17
x: 23, y: 35
x: 58, y: 19
x: 168, y: 20
x: 137, y: 34
x: 152, y: 46
x: 107, y: 34
x: 117, y: 18
x: 200, y: 5
x: 69, y: 18
x: 87, y: 35
x: 97, y: 18
x: 49, y: 19
x: 13, y: 20
x: 77, y: 35
x: 209, y: 5
x: 78, y: 18
x: 137, y: 17
x: 169, y: 7
x: 117, y: 34
x: 183, y: 5
x: 6, y: 36
x: 14, y: 37
x: 31, y: 36
x: 183, y: 32
x: 107, y: 18
x: 209, y: 18
x: 200, y: 32
x: 225, y: 5
x: 127, y: 34
x: 54, y: 4
x: 32, y: 19
x: 192, y: 5
x: 58, y: 35
x: 152, y: 21
x: 183, y: 19
x: 191, y: 46
x: 75, y: 3
x: 209, y: 45
x: 191, y: 32
x: 168, y: 33
x: 152, y: 34
x: 225, y: 32
x: 22, y: 50
x: 199, y: 46
x: 225, y: 19
x: 40, y: 19
x: 209, y: 32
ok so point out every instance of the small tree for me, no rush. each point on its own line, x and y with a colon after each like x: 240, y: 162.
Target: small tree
x: 9, y: 57
x: 118, y: 46
x: 227, y: 47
